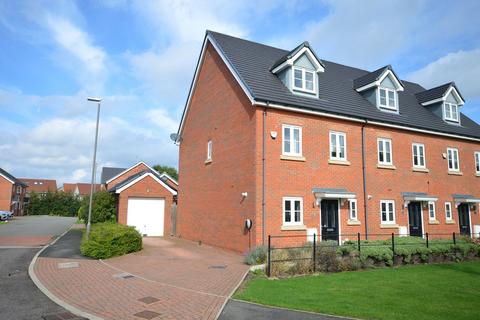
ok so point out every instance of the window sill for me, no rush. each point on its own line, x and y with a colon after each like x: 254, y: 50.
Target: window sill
x: 292, y: 158
x: 389, y: 226
x: 477, y: 174
x: 339, y: 162
x: 294, y: 228
x: 433, y: 222
x: 386, y: 166
x: 414, y: 169
x: 353, y: 223
x: 450, y: 222
x: 208, y: 161
x: 455, y: 173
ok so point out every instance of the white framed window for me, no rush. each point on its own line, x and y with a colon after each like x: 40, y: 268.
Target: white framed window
x: 303, y: 79
x: 19, y: 189
x: 338, y: 146
x: 352, y: 210
x: 292, y: 211
x: 448, y: 211
x: 477, y: 162
x: 384, y: 151
x: 387, y: 98
x: 453, y: 161
x: 418, y: 154
x: 431, y: 210
x: 292, y: 140
x: 450, y: 111
x: 209, y: 150
x: 387, y: 211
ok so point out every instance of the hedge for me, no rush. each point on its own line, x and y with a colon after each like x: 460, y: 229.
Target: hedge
x: 103, y: 207
x: 53, y: 203
x: 108, y: 240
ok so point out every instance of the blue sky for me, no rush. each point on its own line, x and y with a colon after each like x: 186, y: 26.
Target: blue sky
x: 140, y: 57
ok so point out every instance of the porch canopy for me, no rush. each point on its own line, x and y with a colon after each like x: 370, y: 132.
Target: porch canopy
x: 417, y: 197
x: 332, y: 193
x: 464, y: 198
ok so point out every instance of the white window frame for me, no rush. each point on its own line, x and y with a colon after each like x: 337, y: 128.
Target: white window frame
x: 477, y: 162
x: 387, y: 202
x: 431, y: 205
x: 292, y: 147
x: 418, y: 146
x: 352, y: 207
x: 304, y: 80
x: 453, y: 151
x: 209, y: 150
x: 383, y: 142
x: 337, y: 146
x: 450, y: 106
x: 19, y: 189
x: 448, y: 217
x: 292, y: 209
x: 388, y: 91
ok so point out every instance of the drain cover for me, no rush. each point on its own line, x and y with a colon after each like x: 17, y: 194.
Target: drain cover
x: 147, y: 314
x: 218, y: 266
x: 148, y: 300
x: 123, y: 275
x: 68, y: 265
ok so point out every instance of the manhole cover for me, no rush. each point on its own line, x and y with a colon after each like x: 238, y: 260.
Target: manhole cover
x: 218, y: 266
x: 148, y: 300
x: 147, y: 314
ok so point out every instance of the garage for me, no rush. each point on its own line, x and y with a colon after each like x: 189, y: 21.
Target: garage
x: 146, y: 215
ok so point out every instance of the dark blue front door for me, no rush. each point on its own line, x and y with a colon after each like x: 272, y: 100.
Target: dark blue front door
x: 329, y: 220
x: 464, y: 219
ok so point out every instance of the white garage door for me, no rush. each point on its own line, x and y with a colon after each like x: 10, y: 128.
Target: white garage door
x: 146, y: 215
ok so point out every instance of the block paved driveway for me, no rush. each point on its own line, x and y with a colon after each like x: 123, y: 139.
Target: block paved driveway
x: 170, y: 279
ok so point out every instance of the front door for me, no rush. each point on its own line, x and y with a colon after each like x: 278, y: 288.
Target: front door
x: 329, y: 220
x: 464, y: 219
x: 415, y: 219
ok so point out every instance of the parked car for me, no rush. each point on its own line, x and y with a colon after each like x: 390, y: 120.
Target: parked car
x: 5, y: 215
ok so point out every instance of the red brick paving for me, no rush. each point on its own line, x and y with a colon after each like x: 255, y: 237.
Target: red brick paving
x: 176, y: 272
x: 25, y: 241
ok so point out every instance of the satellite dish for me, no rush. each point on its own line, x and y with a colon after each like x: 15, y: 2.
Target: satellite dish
x: 173, y: 137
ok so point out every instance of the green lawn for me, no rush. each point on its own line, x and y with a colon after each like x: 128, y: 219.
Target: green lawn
x: 3, y: 222
x: 441, y: 291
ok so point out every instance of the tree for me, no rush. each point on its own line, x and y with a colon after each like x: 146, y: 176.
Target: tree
x: 103, y: 207
x: 53, y: 203
x: 171, y: 171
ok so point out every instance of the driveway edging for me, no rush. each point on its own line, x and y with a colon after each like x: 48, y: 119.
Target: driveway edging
x: 231, y: 294
x: 48, y: 293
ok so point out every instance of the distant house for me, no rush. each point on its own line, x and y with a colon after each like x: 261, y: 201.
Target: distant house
x: 41, y: 186
x: 12, y: 193
x: 79, y: 189
x: 146, y: 199
x: 68, y: 187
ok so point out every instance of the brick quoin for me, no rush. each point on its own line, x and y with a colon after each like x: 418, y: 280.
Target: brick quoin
x: 145, y: 188
x: 212, y: 210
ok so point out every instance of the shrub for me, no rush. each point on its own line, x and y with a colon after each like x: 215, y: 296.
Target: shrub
x: 257, y: 255
x: 380, y: 254
x: 110, y: 240
x: 53, y: 203
x: 103, y: 207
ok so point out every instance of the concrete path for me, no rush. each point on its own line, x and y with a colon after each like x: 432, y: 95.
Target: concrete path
x: 169, y: 279
x: 68, y: 246
x: 238, y: 310
x: 33, y: 230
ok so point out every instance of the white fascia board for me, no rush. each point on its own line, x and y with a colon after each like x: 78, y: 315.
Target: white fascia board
x: 395, y: 80
x: 433, y: 101
x: 6, y: 178
x: 143, y: 176
x: 128, y: 169
x: 209, y: 39
x: 381, y: 124
x: 164, y: 174
x: 291, y: 61
x: 335, y: 195
x: 455, y: 93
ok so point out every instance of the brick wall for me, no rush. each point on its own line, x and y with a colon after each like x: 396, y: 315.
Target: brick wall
x: 6, y: 188
x: 145, y: 188
x: 210, y: 204
x: 138, y: 168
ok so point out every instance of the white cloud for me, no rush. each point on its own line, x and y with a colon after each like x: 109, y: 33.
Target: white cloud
x: 461, y: 67
x: 161, y: 119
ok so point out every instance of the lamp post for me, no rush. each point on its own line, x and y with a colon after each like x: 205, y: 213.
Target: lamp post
x: 97, y: 100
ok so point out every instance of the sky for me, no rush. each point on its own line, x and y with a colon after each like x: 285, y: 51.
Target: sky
x: 140, y: 56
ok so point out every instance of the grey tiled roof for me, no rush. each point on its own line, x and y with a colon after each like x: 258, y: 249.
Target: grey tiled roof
x: 290, y: 54
x: 109, y: 172
x: 372, y: 77
x: 253, y: 61
x: 435, y: 93
x: 9, y: 176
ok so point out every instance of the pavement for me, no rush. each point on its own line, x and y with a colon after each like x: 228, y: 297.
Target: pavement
x: 30, y: 231
x: 20, y: 299
x: 66, y: 247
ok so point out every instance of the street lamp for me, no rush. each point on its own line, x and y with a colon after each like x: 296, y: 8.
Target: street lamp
x: 97, y: 100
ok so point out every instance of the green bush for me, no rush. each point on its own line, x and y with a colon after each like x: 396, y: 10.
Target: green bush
x: 380, y: 254
x: 103, y: 208
x: 257, y: 255
x: 53, y: 203
x: 110, y: 240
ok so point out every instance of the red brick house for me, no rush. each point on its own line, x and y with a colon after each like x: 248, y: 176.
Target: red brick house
x: 145, y: 198
x: 12, y: 193
x: 304, y: 146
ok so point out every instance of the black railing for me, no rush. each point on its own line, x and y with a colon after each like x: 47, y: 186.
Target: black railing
x: 307, y: 247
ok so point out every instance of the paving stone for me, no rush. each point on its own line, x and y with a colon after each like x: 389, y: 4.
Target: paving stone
x: 68, y: 265
x: 147, y: 314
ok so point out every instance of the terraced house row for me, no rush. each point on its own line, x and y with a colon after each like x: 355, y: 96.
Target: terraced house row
x: 298, y: 145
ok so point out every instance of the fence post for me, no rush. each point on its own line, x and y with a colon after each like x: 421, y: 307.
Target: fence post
x: 393, y: 243
x: 426, y: 238
x: 314, y: 252
x: 358, y: 241
x: 268, y: 263
x: 454, y: 240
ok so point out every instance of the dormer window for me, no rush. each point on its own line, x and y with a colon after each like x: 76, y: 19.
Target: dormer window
x: 303, y: 80
x: 387, y: 99
x: 450, y: 111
